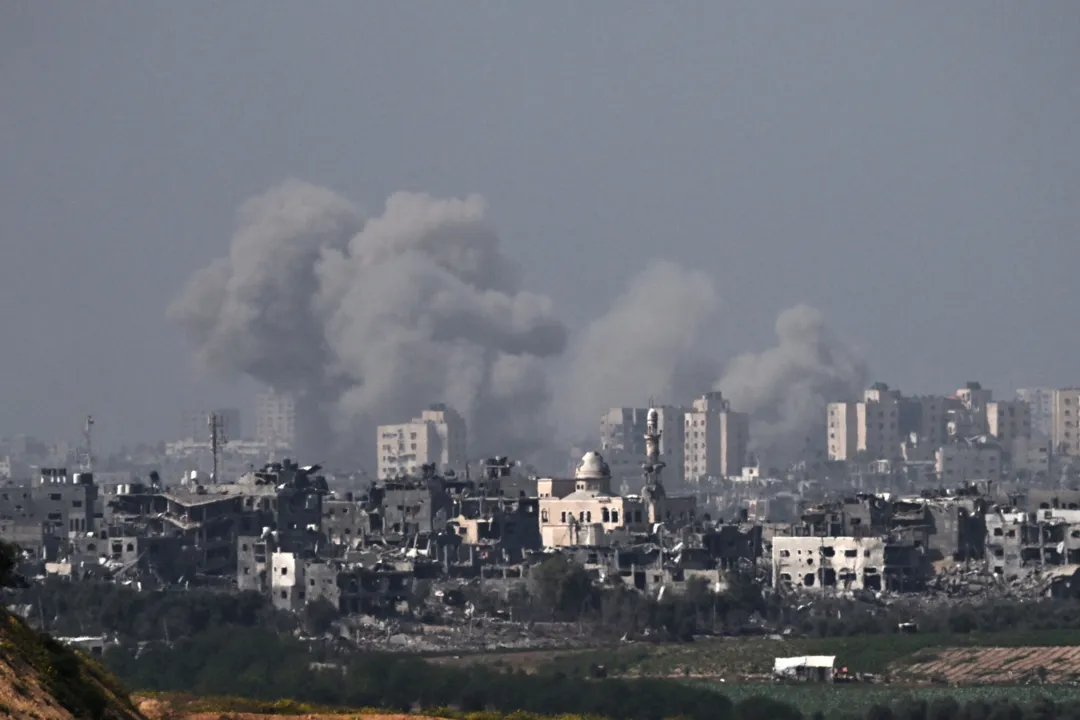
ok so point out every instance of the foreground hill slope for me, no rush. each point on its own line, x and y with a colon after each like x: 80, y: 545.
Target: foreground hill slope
x: 44, y: 680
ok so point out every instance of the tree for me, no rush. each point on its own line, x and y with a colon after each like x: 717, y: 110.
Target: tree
x: 9, y: 566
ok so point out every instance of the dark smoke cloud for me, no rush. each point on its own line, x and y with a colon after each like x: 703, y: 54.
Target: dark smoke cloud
x: 787, y: 387
x: 369, y: 320
x: 372, y: 320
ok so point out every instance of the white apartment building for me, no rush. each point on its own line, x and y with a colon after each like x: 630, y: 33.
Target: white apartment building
x: 716, y: 438
x: 843, y: 430
x: 1064, y: 429
x: 871, y: 426
x: 1008, y: 420
x: 1041, y: 402
x: 437, y: 436
x: 967, y: 461
x: 275, y: 419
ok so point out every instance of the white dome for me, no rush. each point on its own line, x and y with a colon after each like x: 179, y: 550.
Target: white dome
x: 592, y: 467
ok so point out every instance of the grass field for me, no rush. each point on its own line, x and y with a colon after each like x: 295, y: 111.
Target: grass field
x: 735, y: 658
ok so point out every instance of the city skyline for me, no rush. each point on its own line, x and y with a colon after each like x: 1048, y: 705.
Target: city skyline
x: 900, y: 200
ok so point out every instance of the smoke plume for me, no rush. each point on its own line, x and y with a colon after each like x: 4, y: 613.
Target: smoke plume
x: 369, y: 321
x: 648, y: 343
x: 786, y: 388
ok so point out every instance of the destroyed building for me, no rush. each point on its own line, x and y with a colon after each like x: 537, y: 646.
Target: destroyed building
x: 843, y: 564
x: 40, y: 518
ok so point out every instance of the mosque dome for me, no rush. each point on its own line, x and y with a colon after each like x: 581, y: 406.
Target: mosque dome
x: 592, y: 467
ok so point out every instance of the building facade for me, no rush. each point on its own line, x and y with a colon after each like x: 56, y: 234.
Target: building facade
x: 1063, y: 422
x: 1041, y: 402
x: 438, y: 436
x: 716, y: 439
x: 275, y: 419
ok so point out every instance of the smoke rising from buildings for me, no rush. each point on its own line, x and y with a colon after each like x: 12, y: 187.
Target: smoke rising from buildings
x: 648, y: 343
x: 786, y: 388
x: 367, y: 320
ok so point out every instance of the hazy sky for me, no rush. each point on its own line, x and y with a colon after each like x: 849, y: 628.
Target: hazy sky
x: 909, y: 168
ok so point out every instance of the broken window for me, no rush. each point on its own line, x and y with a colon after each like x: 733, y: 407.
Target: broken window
x: 851, y: 553
x: 808, y: 580
x: 785, y: 553
x: 828, y: 551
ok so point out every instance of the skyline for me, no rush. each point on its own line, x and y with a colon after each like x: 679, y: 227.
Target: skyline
x: 918, y: 200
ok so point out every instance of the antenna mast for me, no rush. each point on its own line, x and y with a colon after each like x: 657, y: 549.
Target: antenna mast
x: 88, y: 461
x: 217, y: 439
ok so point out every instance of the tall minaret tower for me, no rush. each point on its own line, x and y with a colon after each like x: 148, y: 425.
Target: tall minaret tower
x: 652, y: 465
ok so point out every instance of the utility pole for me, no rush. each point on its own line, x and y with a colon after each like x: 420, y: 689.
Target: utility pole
x: 88, y: 461
x: 217, y: 439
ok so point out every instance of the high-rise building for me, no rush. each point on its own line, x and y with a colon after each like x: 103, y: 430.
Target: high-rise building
x: 195, y: 425
x: 871, y: 426
x: 1064, y: 430
x: 879, y: 424
x: 1008, y: 420
x: 716, y: 438
x: 275, y: 419
x: 970, y: 417
x: 438, y: 436
x: 1041, y: 402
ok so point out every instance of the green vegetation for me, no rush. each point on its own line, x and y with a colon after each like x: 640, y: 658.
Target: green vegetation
x: 731, y: 657
x: 76, y: 682
x: 840, y: 700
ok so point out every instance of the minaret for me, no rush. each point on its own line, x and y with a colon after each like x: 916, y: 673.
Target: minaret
x: 652, y: 465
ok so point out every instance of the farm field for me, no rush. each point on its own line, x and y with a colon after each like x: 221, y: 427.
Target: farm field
x: 914, y: 658
x: 972, y: 666
x: 832, y: 700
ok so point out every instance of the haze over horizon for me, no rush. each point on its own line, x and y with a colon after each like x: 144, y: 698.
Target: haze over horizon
x: 909, y: 171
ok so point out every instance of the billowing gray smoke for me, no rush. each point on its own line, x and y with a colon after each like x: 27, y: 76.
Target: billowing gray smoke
x: 786, y: 388
x: 371, y: 320
x: 649, y: 343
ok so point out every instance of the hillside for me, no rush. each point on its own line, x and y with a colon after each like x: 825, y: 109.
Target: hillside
x: 44, y: 680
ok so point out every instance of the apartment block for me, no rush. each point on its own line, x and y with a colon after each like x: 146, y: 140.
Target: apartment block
x: 1041, y: 402
x: 967, y: 461
x: 275, y: 419
x: 716, y: 438
x: 1009, y: 420
x: 438, y: 436
x: 1064, y: 407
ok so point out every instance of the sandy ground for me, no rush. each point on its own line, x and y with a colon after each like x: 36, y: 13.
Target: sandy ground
x: 157, y: 709
x: 996, y: 666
